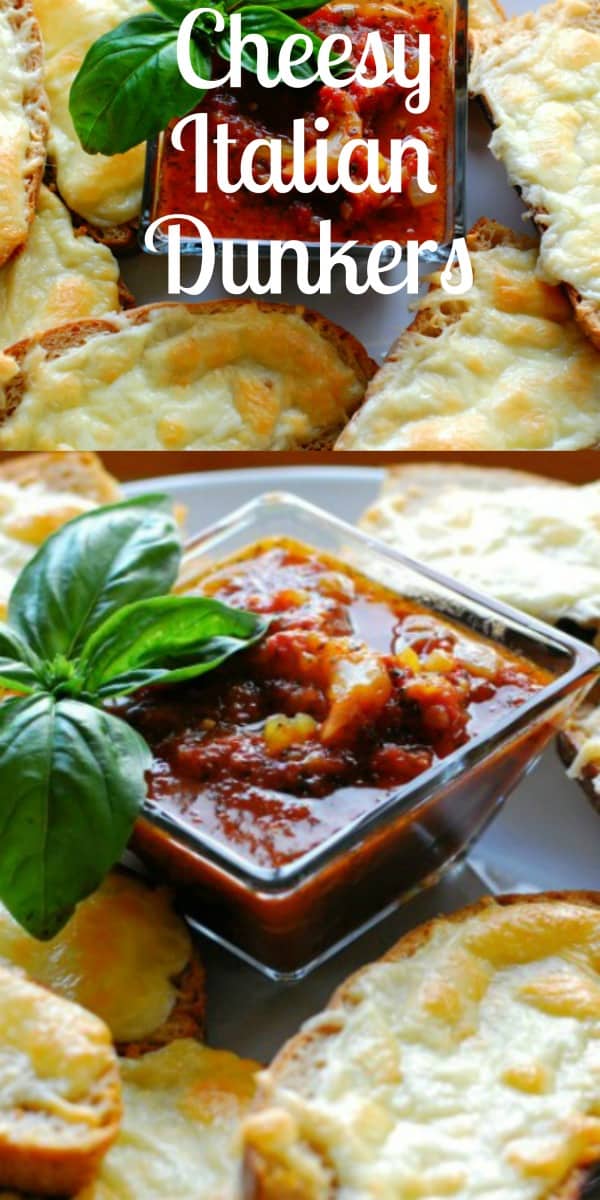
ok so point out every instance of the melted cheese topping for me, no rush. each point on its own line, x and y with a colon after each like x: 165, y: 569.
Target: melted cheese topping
x: 28, y: 515
x: 508, y: 370
x: 540, y: 75
x: 471, y: 1069
x: 178, y: 1138
x: 586, y: 733
x: 117, y: 956
x: 483, y: 13
x: 15, y: 84
x: 57, y: 277
x: 537, y: 548
x: 106, y: 191
x: 55, y: 1061
x: 242, y: 379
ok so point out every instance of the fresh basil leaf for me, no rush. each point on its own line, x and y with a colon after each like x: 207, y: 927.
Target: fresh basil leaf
x: 176, y: 10
x: 72, y: 780
x: 20, y: 671
x: 89, y: 568
x: 276, y: 27
x: 129, y: 85
x: 165, y: 640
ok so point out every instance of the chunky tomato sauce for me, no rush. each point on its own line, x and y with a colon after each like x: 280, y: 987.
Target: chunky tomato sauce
x: 353, y: 112
x: 351, y: 693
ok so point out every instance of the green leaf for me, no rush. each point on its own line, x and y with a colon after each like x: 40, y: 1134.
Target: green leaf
x: 276, y: 27
x: 89, y: 568
x: 20, y: 671
x: 129, y: 85
x: 165, y: 640
x: 72, y: 779
x: 176, y: 10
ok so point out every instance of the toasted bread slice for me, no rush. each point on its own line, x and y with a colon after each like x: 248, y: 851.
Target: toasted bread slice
x: 104, y: 192
x: 463, y: 1063
x: 483, y: 13
x: 179, y: 1138
x: 225, y: 375
x: 579, y: 747
x: 539, y: 77
x: 23, y: 123
x: 59, y: 276
x: 530, y: 541
x: 503, y: 367
x: 126, y: 956
x: 39, y: 492
x: 60, y: 1100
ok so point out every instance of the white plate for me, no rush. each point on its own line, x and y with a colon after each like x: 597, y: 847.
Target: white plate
x: 546, y: 837
x: 376, y: 320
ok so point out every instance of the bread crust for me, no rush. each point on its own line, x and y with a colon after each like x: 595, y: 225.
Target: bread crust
x: 56, y: 341
x: 266, y: 1180
x: 569, y: 742
x: 27, y: 34
x: 187, y: 1017
x: 50, y: 1165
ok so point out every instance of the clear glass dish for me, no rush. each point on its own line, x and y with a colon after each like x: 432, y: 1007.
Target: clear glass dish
x: 455, y: 68
x: 285, y: 920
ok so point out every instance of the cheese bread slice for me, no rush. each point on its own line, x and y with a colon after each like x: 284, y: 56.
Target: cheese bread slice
x: 579, y: 744
x: 503, y: 367
x: 59, y: 276
x: 539, y: 76
x: 60, y: 1103
x: 180, y: 1134
x: 124, y: 955
x: 228, y: 375
x: 38, y: 493
x: 465, y: 1063
x: 23, y: 123
x: 106, y: 192
x: 531, y: 542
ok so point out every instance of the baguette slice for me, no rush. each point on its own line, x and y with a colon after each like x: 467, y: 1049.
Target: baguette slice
x: 529, y: 541
x: 23, y: 123
x: 126, y: 956
x: 104, y: 192
x: 60, y: 1099
x: 464, y: 1063
x: 504, y: 367
x: 60, y: 275
x: 225, y: 375
x: 539, y: 77
x: 38, y: 493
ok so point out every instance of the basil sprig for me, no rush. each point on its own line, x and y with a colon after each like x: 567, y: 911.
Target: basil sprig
x: 129, y: 85
x: 89, y: 619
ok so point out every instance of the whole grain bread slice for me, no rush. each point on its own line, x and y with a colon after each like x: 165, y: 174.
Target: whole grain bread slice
x: 274, y: 1150
x: 29, y: 54
x: 349, y: 356
x: 448, y: 398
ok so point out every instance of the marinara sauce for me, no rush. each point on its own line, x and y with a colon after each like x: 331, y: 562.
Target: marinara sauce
x: 352, y: 693
x: 356, y: 111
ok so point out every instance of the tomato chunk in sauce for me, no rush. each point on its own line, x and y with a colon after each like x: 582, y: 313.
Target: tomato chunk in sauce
x: 355, y: 112
x: 352, y: 692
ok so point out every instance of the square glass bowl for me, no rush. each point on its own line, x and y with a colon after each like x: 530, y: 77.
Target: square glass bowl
x: 169, y: 188
x: 285, y: 920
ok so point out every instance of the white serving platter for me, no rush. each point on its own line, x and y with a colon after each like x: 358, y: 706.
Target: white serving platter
x: 546, y: 837
x: 375, y: 320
